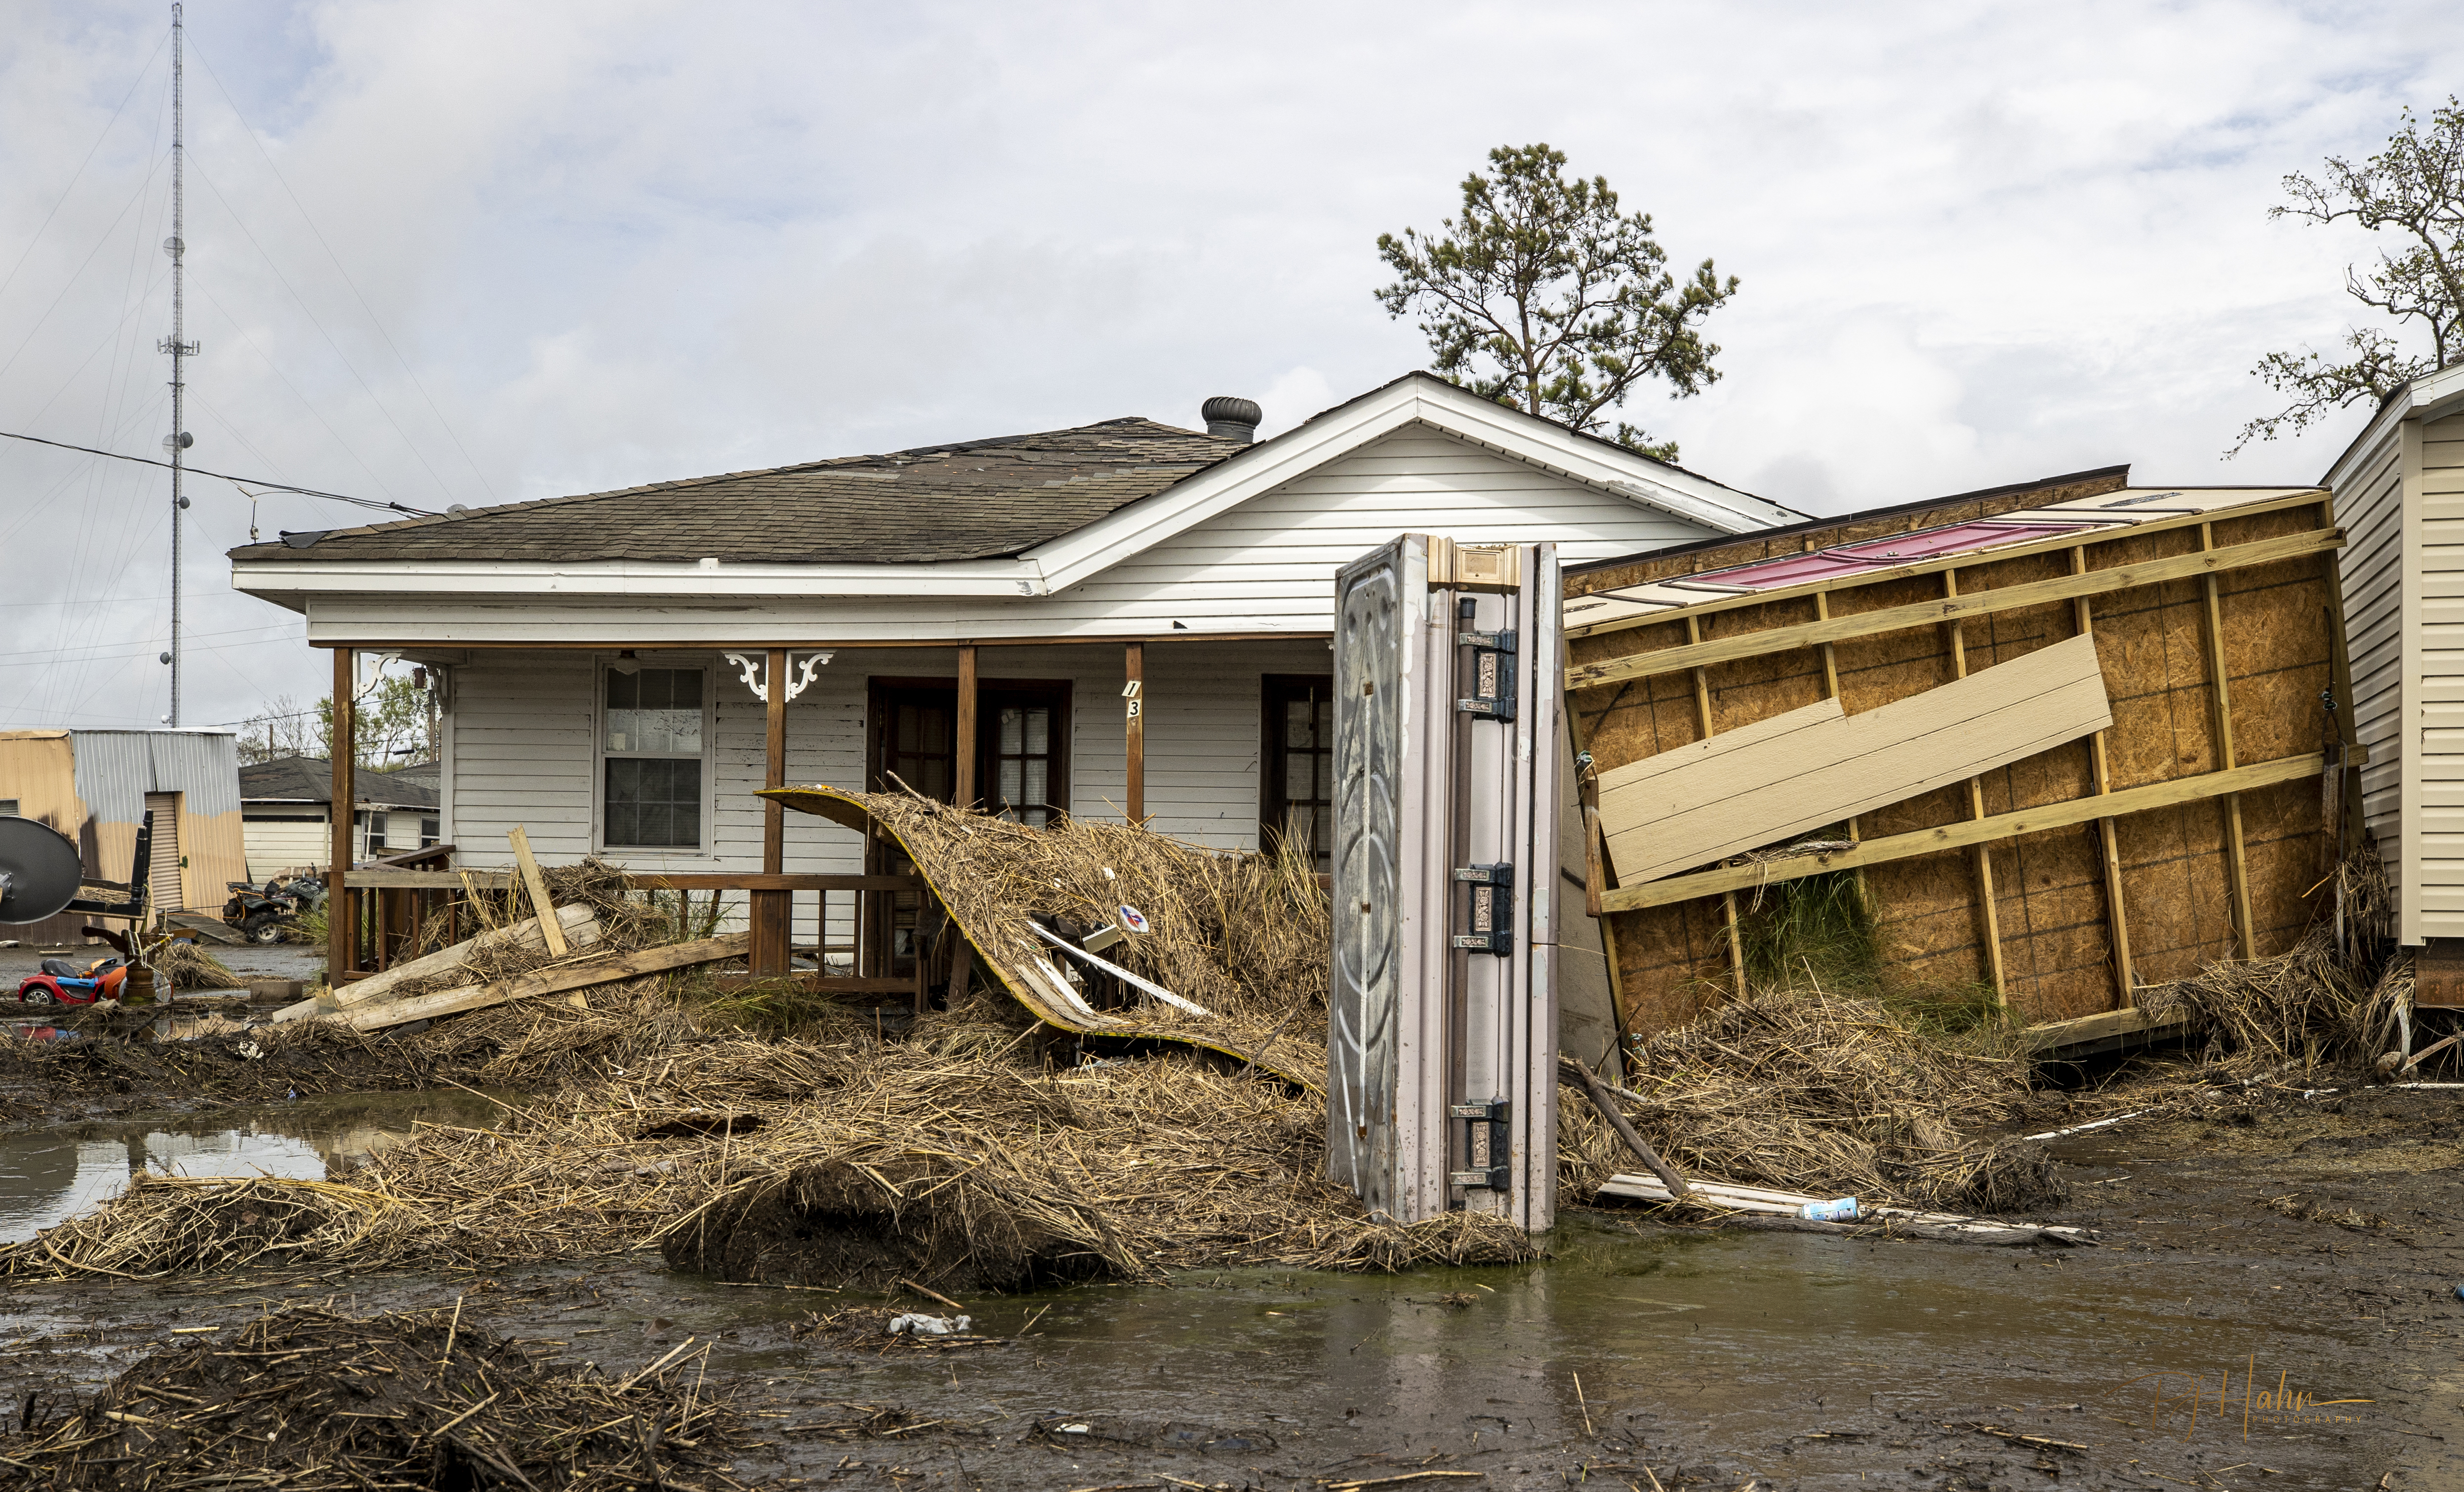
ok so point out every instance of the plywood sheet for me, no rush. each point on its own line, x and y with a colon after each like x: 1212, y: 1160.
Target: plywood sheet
x: 1815, y: 765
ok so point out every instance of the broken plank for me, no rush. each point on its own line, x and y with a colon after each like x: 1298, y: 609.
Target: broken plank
x: 580, y: 929
x: 1823, y: 767
x: 2005, y: 598
x: 548, y: 981
x: 2130, y: 1021
x: 537, y: 885
x: 1959, y: 836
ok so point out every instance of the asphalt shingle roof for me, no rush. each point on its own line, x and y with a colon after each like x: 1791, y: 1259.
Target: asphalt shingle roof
x: 310, y: 779
x: 973, y: 500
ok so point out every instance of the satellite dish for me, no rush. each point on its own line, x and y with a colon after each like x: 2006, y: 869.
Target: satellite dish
x: 40, y: 871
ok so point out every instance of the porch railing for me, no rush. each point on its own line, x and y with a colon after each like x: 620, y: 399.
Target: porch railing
x: 390, y: 906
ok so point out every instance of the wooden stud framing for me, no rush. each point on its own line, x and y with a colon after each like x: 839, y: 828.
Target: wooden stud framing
x: 2125, y: 982
x: 1893, y: 619
x: 1960, y: 836
x: 1976, y: 812
x: 1830, y: 690
x: 1728, y: 899
x: 2236, y: 865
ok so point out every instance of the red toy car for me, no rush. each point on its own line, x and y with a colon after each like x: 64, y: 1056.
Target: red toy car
x: 58, y: 983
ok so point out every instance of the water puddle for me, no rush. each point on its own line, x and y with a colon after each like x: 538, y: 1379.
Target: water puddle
x: 47, y: 1175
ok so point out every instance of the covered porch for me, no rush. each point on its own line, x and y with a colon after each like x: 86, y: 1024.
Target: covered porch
x: 650, y: 757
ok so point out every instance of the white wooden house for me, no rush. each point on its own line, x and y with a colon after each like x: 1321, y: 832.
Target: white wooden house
x: 2400, y: 494
x: 964, y: 616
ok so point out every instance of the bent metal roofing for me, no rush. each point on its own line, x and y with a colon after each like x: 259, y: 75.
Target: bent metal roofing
x: 976, y: 499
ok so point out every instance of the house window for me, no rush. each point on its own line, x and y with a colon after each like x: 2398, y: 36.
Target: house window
x: 8, y: 807
x: 431, y: 832
x: 1296, y: 796
x: 1025, y: 766
x: 651, y: 745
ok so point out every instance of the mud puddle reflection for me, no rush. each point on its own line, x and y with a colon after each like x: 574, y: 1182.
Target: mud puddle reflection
x: 50, y: 1174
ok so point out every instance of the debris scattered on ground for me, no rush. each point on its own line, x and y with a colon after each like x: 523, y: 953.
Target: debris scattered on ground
x: 1819, y: 1093
x: 311, y: 1401
x: 182, y: 965
x: 1243, y: 937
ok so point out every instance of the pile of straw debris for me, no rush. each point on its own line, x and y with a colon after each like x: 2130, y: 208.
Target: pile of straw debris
x: 311, y: 1401
x: 1245, y: 937
x: 2329, y: 1000
x: 956, y: 1159
x: 1807, y: 1092
x: 182, y: 965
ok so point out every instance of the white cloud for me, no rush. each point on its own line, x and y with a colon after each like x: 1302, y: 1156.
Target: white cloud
x: 590, y: 245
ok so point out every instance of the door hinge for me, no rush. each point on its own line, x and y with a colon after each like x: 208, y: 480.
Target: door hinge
x: 1495, y: 1174
x: 1492, y: 675
x: 1490, y: 918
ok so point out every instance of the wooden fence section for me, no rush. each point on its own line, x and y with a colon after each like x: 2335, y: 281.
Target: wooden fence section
x: 396, y: 901
x: 2192, y: 829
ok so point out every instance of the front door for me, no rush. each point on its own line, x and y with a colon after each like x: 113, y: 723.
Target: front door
x: 1021, y: 770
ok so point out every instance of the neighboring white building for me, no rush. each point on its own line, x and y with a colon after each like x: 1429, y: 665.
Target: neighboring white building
x: 2400, y: 497
x: 286, y: 806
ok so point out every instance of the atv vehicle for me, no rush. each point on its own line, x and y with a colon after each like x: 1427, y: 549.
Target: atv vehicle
x: 261, y: 916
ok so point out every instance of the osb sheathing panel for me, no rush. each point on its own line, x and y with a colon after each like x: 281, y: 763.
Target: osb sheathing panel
x: 2050, y: 896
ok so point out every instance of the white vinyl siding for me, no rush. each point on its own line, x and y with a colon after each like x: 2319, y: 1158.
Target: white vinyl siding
x: 2369, y: 507
x: 522, y: 727
x: 2435, y: 456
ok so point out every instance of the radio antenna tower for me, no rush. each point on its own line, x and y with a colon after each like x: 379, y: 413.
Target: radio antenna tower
x: 177, y: 344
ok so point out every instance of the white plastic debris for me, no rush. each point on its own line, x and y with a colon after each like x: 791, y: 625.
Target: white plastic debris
x: 921, y: 1324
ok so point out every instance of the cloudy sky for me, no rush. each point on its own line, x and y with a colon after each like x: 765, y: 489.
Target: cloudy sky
x: 458, y: 252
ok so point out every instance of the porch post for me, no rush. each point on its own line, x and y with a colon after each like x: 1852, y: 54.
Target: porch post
x: 1136, y: 666
x: 773, y: 912
x: 341, y: 907
x: 964, y: 747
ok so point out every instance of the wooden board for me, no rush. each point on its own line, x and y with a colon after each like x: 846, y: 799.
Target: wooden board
x: 545, y: 981
x: 1809, y: 767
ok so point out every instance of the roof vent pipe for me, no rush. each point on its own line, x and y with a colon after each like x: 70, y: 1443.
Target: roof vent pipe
x: 1228, y: 418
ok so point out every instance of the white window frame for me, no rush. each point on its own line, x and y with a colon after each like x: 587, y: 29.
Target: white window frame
x: 600, y: 755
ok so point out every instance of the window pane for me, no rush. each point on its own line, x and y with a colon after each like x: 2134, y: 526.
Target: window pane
x: 1033, y: 792
x: 1013, y: 732
x: 1039, y: 731
x: 1296, y: 723
x: 1012, y: 783
x: 656, y: 710
x: 653, y: 804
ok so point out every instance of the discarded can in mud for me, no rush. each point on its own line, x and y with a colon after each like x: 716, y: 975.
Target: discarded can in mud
x: 1844, y: 1209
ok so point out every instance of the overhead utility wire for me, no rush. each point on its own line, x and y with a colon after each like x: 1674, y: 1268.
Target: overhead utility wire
x: 252, y: 481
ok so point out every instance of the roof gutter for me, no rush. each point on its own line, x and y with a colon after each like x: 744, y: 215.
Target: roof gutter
x: 703, y: 581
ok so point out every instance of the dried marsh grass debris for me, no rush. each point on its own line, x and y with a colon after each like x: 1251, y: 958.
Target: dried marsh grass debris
x: 1822, y: 1093
x: 313, y: 1401
x: 1243, y: 936
x: 2325, y: 1002
x: 970, y: 1177
x: 182, y: 965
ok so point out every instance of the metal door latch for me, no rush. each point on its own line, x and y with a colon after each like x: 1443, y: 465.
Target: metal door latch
x: 1491, y: 920
x: 1493, y: 1114
x: 1492, y: 675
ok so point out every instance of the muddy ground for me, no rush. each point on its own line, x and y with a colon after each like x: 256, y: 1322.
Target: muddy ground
x: 2257, y: 1243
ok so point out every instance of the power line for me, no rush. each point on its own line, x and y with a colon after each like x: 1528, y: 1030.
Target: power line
x: 252, y: 481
